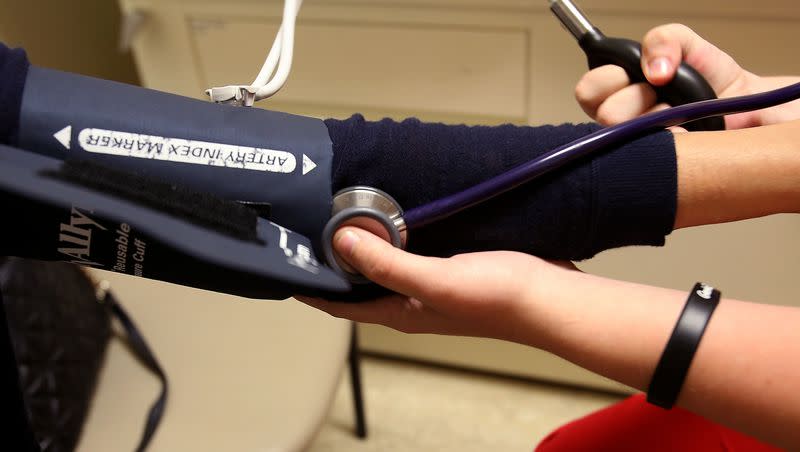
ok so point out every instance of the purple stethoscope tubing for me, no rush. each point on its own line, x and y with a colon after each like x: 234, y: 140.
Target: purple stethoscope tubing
x: 602, y: 139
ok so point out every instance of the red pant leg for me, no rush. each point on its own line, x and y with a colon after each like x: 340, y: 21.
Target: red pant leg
x: 635, y: 425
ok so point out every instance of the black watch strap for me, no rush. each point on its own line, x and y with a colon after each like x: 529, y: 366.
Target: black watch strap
x: 670, y: 373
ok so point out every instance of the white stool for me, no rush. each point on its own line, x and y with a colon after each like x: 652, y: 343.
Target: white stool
x: 244, y: 374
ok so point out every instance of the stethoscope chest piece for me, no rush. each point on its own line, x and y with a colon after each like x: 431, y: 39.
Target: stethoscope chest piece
x: 367, y: 208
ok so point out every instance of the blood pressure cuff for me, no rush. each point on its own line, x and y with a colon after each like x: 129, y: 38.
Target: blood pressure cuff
x: 96, y: 216
x: 279, y: 164
x: 13, y: 70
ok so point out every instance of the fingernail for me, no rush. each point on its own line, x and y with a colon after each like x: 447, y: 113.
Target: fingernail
x: 659, y: 67
x: 345, y: 241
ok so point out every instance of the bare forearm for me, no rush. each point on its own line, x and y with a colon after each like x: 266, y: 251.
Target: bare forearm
x: 737, y: 174
x: 746, y: 373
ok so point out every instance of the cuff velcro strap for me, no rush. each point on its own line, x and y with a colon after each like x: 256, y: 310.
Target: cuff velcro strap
x: 673, y: 366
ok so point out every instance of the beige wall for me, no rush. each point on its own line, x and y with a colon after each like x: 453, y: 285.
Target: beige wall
x: 76, y: 36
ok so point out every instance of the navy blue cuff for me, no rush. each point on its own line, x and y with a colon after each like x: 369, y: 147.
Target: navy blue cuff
x: 13, y: 70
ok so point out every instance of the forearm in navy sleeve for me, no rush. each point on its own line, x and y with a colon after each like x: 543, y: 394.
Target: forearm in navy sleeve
x: 13, y: 70
x: 625, y: 196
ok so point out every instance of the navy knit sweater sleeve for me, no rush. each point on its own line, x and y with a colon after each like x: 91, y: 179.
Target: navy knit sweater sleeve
x: 13, y: 70
x: 625, y: 196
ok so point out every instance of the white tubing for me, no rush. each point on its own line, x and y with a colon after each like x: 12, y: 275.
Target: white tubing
x: 286, y: 33
x: 271, y: 62
x: 276, y: 67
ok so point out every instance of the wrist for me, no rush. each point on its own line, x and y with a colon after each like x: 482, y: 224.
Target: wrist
x: 547, y: 309
x: 737, y: 174
x: 757, y: 84
x: 614, y: 328
x: 746, y: 84
x: 754, y: 84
